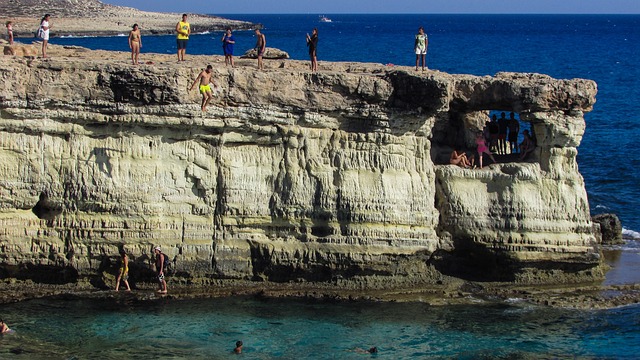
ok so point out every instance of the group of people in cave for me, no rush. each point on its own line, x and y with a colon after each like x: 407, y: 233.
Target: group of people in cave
x: 499, y: 136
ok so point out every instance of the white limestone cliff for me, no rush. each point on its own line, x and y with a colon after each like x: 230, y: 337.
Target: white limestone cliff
x: 289, y: 175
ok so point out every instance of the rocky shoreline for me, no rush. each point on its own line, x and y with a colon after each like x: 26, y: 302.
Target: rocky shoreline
x: 94, y: 18
x: 584, y: 297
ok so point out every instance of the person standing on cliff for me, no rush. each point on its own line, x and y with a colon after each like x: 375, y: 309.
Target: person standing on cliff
x: 184, y: 30
x: 420, y: 46
x: 261, y: 45
x: 503, y: 125
x: 10, y: 32
x: 494, y: 129
x: 312, y: 43
x: 43, y: 33
x: 162, y: 283
x: 514, y: 129
x: 135, y: 43
x: 205, y: 86
x: 227, y: 47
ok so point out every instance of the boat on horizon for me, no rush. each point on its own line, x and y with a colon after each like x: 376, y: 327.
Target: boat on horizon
x: 324, y: 19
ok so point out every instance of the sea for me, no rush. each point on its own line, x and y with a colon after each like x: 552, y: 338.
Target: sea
x: 604, y: 48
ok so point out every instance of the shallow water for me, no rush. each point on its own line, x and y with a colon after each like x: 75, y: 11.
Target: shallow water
x: 624, y: 261
x: 116, y: 328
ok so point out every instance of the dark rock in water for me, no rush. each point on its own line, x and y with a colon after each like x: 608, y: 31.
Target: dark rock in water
x: 610, y: 228
x: 269, y: 53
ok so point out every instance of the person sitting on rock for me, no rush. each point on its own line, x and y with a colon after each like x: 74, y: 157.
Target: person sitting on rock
x: 527, y: 145
x: 460, y: 158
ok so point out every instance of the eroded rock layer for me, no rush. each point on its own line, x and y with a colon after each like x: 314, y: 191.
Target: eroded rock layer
x: 289, y: 175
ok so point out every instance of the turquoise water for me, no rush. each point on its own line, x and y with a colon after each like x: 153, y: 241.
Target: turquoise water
x: 121, y: 328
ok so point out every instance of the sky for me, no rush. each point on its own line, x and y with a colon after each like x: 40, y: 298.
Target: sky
x: 388, y: 6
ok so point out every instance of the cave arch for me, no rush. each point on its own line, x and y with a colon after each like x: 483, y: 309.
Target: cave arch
x: 458, y: 129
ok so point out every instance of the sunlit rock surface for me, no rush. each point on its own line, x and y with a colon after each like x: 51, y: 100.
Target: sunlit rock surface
x: 289, y: 175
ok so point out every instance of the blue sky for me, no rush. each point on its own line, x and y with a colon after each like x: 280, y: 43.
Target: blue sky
x: 388, y: 6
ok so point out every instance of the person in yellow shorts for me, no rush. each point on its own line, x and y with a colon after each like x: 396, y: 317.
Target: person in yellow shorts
x: 124, y: 270
x: 205, y: 80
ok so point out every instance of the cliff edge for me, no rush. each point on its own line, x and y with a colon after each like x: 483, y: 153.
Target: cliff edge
x: 290, y: 176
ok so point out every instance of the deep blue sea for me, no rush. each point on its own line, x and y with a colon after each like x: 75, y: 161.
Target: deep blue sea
x: 604, y: 48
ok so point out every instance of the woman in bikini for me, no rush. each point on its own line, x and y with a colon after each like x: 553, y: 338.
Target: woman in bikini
x: 10, y: 32
x: 135, y: 43
x: 124, y: 271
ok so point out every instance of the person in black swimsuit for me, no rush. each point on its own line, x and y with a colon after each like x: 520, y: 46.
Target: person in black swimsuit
x: 312, y: 43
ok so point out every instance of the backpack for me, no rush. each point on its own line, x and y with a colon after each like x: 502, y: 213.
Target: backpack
x: 167, y: 262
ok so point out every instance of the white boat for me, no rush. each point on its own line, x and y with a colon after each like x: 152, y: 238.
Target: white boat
x: 324, y: 19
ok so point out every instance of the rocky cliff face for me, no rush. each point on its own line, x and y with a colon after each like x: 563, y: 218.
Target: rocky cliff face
x: 290, y: 175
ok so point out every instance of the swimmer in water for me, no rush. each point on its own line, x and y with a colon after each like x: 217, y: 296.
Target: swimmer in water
x: 4, y: 328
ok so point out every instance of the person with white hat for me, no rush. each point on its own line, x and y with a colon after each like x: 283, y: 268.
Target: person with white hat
x: 162, y: 283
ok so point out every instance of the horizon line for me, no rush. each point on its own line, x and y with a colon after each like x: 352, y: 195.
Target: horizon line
x: 409, y: 13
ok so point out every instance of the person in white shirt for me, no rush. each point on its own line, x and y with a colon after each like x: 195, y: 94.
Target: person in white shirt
x: 45, y: 25
x: 420, y: 47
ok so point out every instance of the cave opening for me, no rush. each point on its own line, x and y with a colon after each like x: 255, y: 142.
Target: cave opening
x: 46, y: 209
x: 504, y: 133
